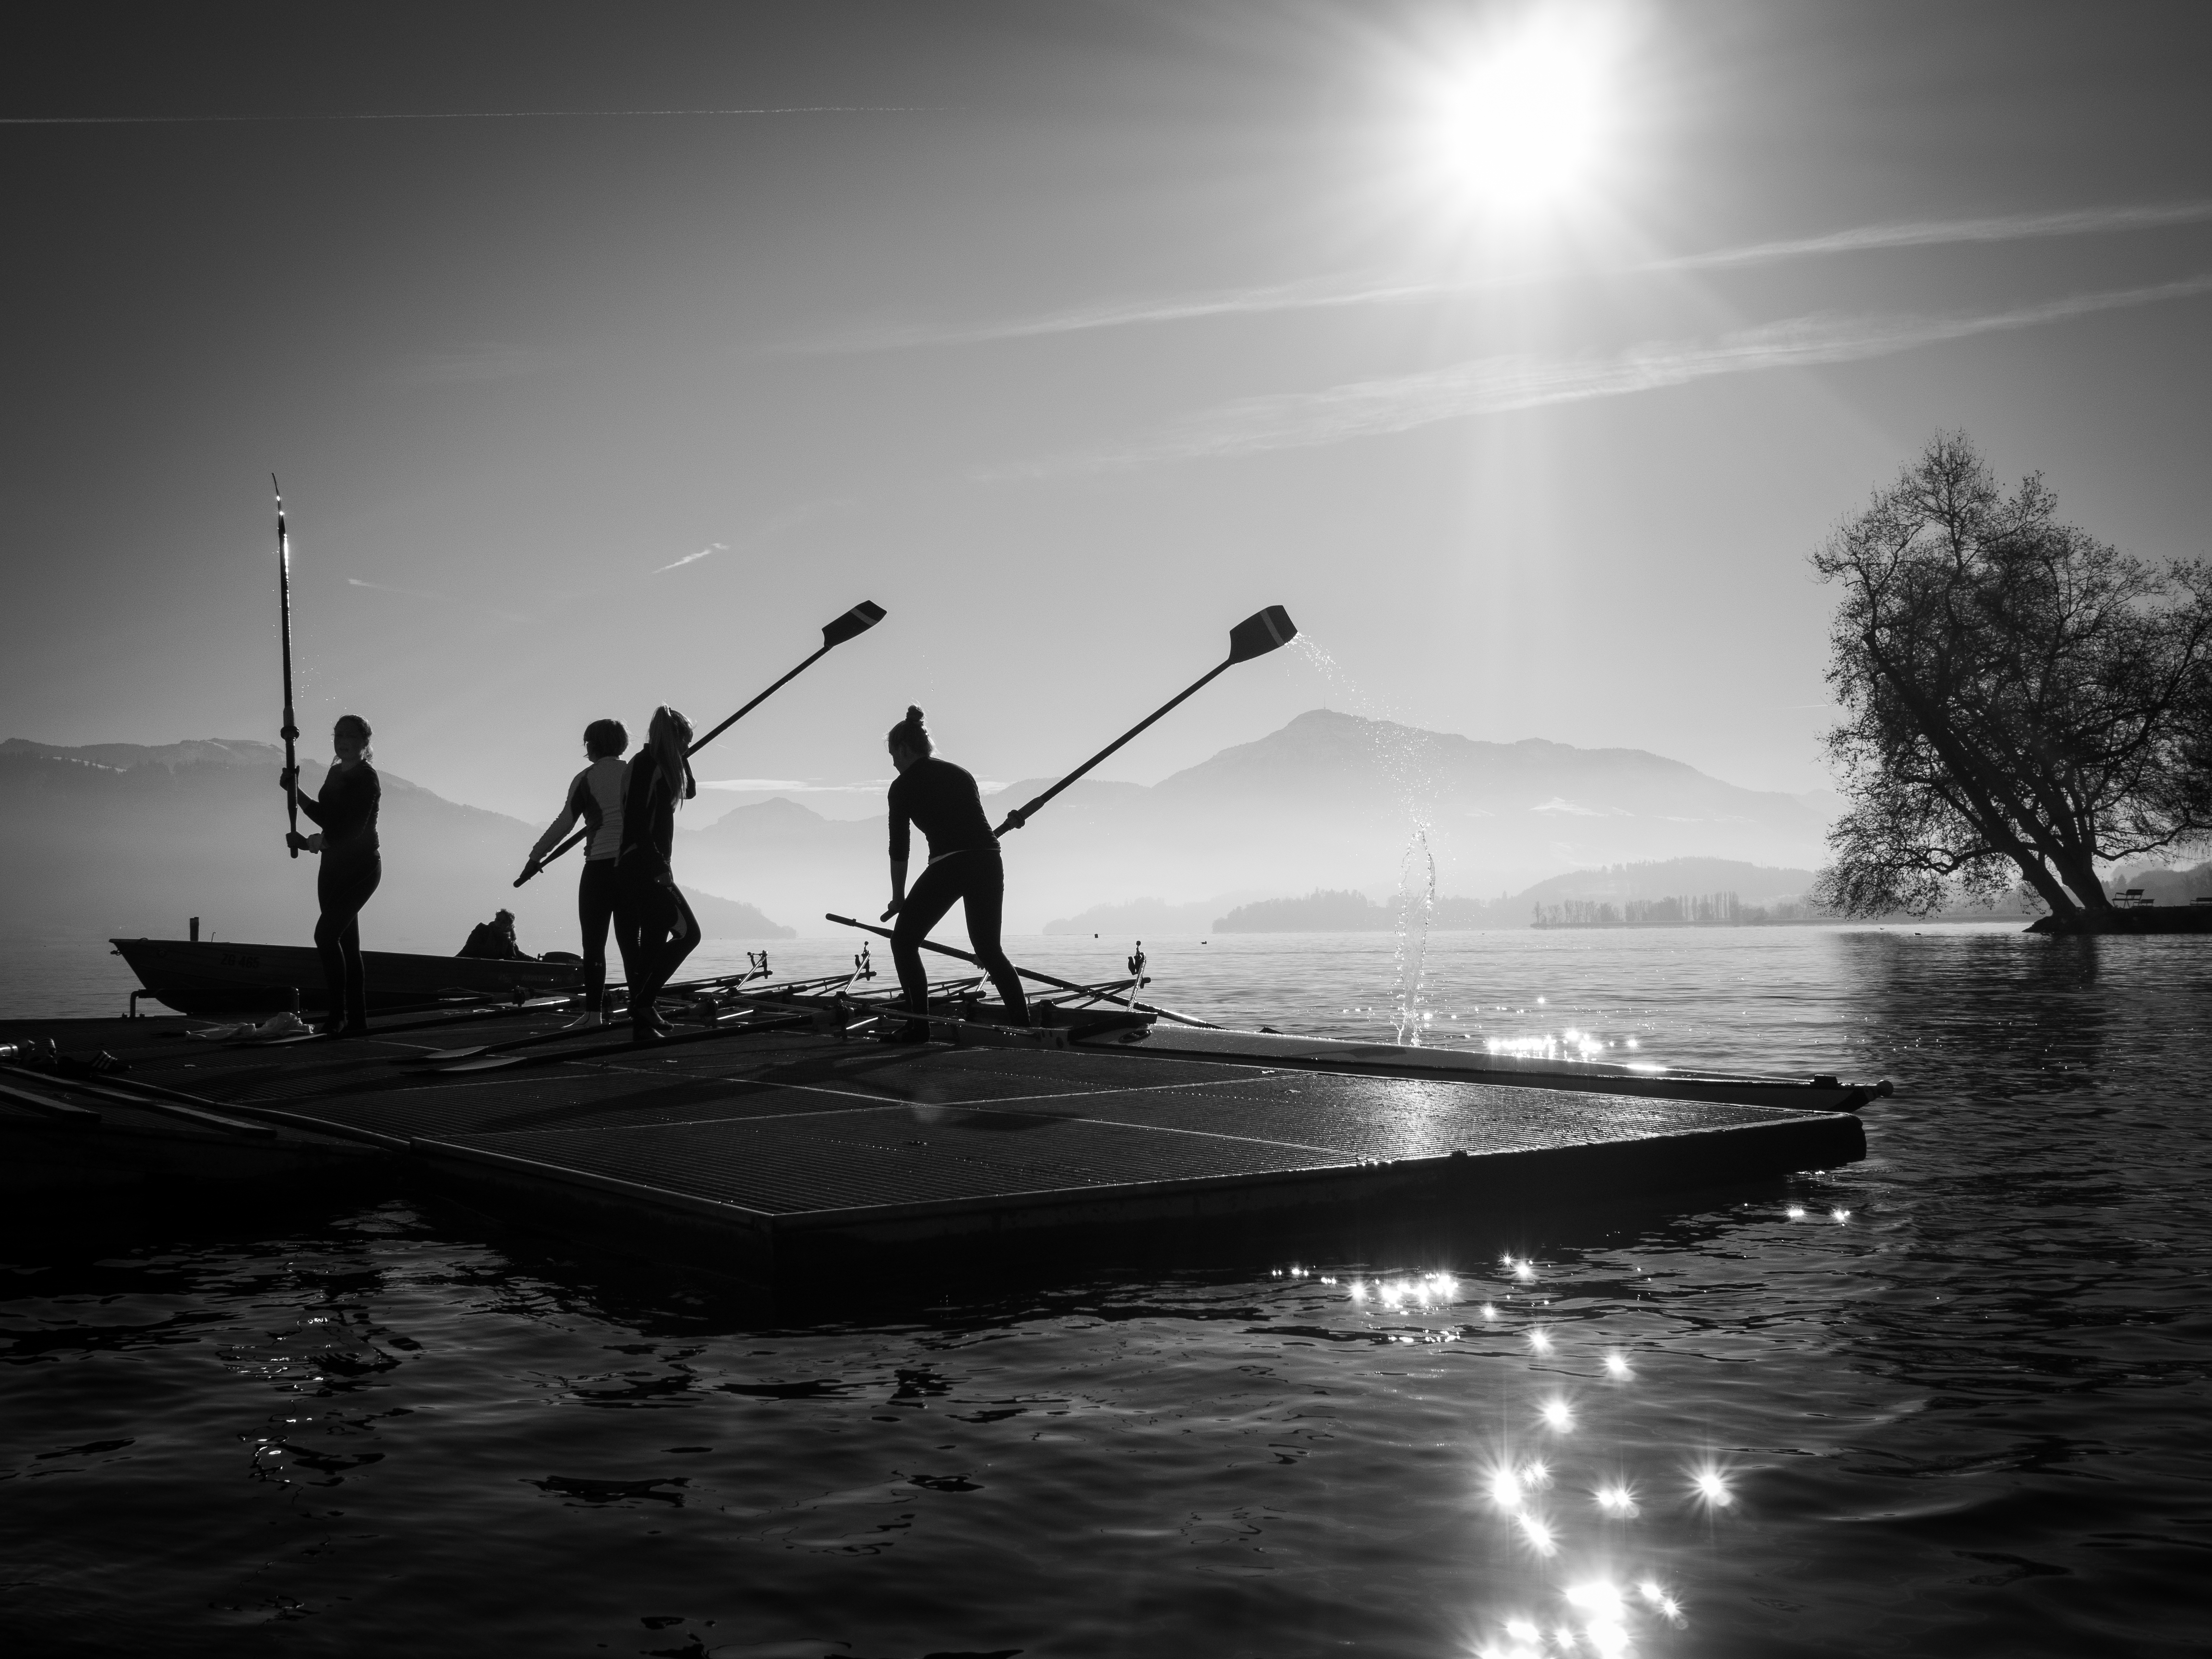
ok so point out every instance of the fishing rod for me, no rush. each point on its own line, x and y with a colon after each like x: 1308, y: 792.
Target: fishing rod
x: 849, y: 626
x: 1026, y: 973
x: 291, y: 731
x: 1256, y: 635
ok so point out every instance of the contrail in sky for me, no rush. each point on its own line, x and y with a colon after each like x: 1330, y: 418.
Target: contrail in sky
x: 1322, y: 294
x: 694, y: 558
x: 1497, y: 385
x: 455, y: 115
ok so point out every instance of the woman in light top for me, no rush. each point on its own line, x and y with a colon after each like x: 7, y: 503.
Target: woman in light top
x: 964, y: 868
x: 352, y: 865
x: 654, y: 925
x: 595, y: 795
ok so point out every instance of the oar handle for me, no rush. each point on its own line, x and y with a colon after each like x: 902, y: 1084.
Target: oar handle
x: 536, y: 864
x: 1021, y: 815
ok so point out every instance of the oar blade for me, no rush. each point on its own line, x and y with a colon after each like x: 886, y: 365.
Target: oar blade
x: 853, y: 623
x: 1260, y: 633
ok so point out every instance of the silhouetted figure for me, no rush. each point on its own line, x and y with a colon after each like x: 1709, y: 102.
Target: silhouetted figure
x: 595, y: 795
x: 653, y: 925
x: 493, y: 940
x: 351, y: 868
x: 942, y: 801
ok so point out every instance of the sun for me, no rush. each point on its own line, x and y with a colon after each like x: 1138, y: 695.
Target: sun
x: 1519, y: 119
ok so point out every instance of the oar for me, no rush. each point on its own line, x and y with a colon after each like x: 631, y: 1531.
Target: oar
x: 1026, y: 973
x: 1255, y: 636
x: 853, y: 623
x: 291, y: 731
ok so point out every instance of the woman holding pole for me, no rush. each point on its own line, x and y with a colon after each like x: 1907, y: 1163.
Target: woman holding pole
x: 964, y: 866
x: 595, y: 795
x: 653, y: 925
x: 351, y: 868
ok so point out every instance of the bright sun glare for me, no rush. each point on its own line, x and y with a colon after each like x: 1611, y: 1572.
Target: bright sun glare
x: 1520, y: 119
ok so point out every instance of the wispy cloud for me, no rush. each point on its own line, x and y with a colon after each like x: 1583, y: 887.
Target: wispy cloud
x: 1937, y: 233
x: 1497, y: 385
x: 1368, y: 289
x: 461, y: 115
x: 707, y: 551
x: 794, y: 785
x: 435, y: 599
x: 463, y: 365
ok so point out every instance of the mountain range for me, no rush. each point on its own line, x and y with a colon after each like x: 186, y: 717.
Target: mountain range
x: 1330, y: 800
x: 131, y: 838
x: 118, y: 840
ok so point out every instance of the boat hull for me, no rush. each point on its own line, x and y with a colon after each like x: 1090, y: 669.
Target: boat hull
x: 199, y: 976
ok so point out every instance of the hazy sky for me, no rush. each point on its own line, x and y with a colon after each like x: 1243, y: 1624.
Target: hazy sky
x: 604, y: 352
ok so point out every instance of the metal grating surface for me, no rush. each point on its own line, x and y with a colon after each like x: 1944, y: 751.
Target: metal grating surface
x: 794, y: 1166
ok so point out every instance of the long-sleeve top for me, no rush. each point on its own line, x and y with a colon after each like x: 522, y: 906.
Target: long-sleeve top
x: 648, y: 820
x: 595, y: 795
x: 345, y: 811
x: 942, y: 801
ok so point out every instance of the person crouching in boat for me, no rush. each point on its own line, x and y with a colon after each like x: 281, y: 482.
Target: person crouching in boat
x: 351, y: 868
x: 595, y: 795
x: 653, y: 925
x: 964, y: 866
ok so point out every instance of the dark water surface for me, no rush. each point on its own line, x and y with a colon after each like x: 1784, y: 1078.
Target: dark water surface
x: 1951, y: 1400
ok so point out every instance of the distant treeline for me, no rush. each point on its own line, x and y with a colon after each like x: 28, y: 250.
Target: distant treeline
x: 1327, y: 910
x: 1700, y: 910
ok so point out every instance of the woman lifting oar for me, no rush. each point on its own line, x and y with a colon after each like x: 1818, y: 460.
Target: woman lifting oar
x: 653, y: 925
x: 352, y: 866
x: 595, y: 795
x: 964, y: 866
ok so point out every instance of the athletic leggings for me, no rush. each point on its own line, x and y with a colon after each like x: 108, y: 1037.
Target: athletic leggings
x: 595, y: 908
x: 655, y: 929
x: 979, y: 877
x: 342, y: 889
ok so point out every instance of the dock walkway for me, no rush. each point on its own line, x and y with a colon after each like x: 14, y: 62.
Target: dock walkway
x: 777, y: 1146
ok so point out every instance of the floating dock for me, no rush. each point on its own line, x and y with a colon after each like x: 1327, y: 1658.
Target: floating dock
x: 784, y: 1148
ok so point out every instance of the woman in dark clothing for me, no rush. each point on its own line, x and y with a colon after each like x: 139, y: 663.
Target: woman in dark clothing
x: 653, y: 925
x: 595, y: 795
x: 964, y: 866
x: 352, y: 866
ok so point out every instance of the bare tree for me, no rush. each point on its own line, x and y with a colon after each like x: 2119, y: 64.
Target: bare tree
x: 2020, y: 701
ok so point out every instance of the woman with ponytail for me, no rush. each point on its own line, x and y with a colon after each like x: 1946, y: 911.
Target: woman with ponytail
x: 964, y: 866
x: 653, y: 925
x: 351, y: 867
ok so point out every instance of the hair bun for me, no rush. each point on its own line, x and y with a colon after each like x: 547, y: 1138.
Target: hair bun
x: 913, y: 714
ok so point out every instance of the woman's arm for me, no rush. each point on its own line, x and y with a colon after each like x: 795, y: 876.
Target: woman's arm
x: 306, y: 802
x: 900, y: 845
x: 561, y: 825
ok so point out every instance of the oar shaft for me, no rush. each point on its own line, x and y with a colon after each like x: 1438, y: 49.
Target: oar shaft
x: 291, y: 730
x: 757, y: 702
x: 1016, y: 819
x: 1029, y: 973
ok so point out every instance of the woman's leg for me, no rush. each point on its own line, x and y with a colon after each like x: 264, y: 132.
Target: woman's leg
x: 329, y: 926
x: 985, y: 890
x: 338, y: 940
x: 932, y: 895
x: 650, y: 914
x: 595, y: 908
x: 682, y: 940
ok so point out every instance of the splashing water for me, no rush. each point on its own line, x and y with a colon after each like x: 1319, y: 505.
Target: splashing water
x: 1417, y: 905
x: 1397, y: 749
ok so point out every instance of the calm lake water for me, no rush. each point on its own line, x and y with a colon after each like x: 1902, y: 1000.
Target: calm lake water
x: 1951, y: 1400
